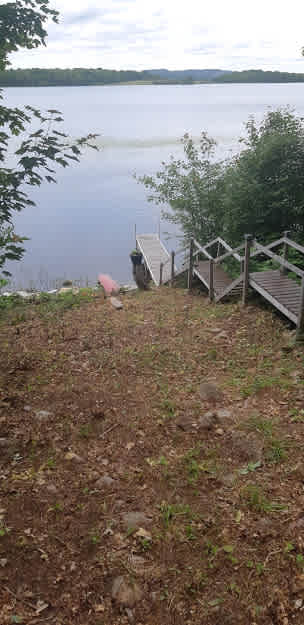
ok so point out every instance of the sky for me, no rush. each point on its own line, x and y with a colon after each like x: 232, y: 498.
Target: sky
x: 150, y: 34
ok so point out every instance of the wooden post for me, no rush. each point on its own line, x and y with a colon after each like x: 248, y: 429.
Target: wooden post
x: 135, y: 232
x: 211, y: 280
x: 248, y: 242
x: 172, y: 267
x: 285, y: 252
x: 300, y: 322
x: 161, y: 273
x: 191, y: 263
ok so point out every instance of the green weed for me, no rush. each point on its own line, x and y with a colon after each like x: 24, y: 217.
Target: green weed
x: 255, y: 498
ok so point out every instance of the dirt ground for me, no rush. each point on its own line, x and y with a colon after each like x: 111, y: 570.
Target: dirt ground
x: 151, y: 464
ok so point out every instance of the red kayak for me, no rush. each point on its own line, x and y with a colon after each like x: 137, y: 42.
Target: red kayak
x: 110, y: 286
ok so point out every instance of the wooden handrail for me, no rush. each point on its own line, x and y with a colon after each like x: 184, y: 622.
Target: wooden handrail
x: 202, y: 249
x: 269, y: 247
x: 278, y: 259
x: 293, y: 244
x: 232, y: 253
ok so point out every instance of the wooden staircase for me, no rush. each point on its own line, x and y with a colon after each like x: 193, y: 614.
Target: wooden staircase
x: 203, y: 262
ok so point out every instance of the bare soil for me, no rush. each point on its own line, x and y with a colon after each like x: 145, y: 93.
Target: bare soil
x: 90, y: 393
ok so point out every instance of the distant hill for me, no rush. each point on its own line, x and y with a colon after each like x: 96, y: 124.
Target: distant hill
x: 186, y: 74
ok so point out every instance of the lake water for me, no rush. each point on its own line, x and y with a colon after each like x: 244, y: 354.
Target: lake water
x: 84, y: 225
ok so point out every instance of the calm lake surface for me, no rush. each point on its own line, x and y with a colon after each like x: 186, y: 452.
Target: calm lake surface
x: 84, y: 225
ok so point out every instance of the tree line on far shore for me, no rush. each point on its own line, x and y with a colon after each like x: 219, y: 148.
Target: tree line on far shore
x: 53, y: 77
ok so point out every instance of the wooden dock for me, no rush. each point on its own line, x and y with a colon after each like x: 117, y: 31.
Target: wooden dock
x: 154, y: 255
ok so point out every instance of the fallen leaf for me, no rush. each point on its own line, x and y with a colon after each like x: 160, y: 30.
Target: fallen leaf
x: 142, y: 533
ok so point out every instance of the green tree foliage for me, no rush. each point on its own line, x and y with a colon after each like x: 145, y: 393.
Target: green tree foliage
x: 192, y: 187
x: 259, y: 75
x: 34, y: 138
x: 260, y: 190
x: 42, y: 77
x: 22, y: 26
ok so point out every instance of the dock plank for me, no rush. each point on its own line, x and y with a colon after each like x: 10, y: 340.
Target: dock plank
x: 155, y: 253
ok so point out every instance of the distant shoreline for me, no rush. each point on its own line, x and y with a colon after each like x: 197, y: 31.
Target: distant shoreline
x: 86, y: 77
x: 154, y: 84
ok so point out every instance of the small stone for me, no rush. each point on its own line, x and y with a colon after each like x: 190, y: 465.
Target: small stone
x: 130, y: 615
x: 27, y: 408
x: 135, y: 520
x: 298, y: 604
x: 126, y: 593
x: 210, y: 392
x: 3, y: 562
x: 70, y: 455
x: 116, y: 303
x: 187, y: 424
x: 223, y: 414
x: 105, y: 481
x: 207, y: 421
x: 43, y: 415
x: 219, y: 431
x: 4, y: 442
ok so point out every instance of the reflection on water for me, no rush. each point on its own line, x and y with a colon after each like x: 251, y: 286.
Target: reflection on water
x: 84, y: 225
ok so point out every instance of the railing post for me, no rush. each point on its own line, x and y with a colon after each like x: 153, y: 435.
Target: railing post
x: 300, y: 321
x: 248, y: 243
x: 285, y: 252
x: 191, y: 263
x: 161, y: 267
x: 211, y: 279
x: 172, y: 267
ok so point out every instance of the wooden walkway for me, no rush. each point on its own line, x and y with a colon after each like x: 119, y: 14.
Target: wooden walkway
x: 222, y: 283
x: 154, y: 254
x: 279, y: 290
x: 275, y: 285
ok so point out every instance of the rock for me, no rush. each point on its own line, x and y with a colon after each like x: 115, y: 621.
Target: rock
x: 43, y: 415
x: 126, y: 593
x: 135, y: 520
x: 219, y: 431
x: 247, y: 448
x: 207, y: 421
x: 210, y: 392
x: 298, y: 604
x: 187, y: 424
x: 130, y: 615
x: 70, y: 455
x: 223, y: 414
x: 105, y: 481
x: 3, y: 562
x: 4, y: 442
x: 214, y: 330
x: 27, y: 408
x: 116, y: 303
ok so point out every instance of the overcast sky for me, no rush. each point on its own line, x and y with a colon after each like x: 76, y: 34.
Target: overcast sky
x: 146, y: 34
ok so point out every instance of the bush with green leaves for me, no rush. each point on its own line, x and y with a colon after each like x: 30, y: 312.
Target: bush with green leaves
x: 258, y: 191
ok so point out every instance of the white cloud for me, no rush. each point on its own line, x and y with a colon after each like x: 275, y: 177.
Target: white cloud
x: 143, y: 34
